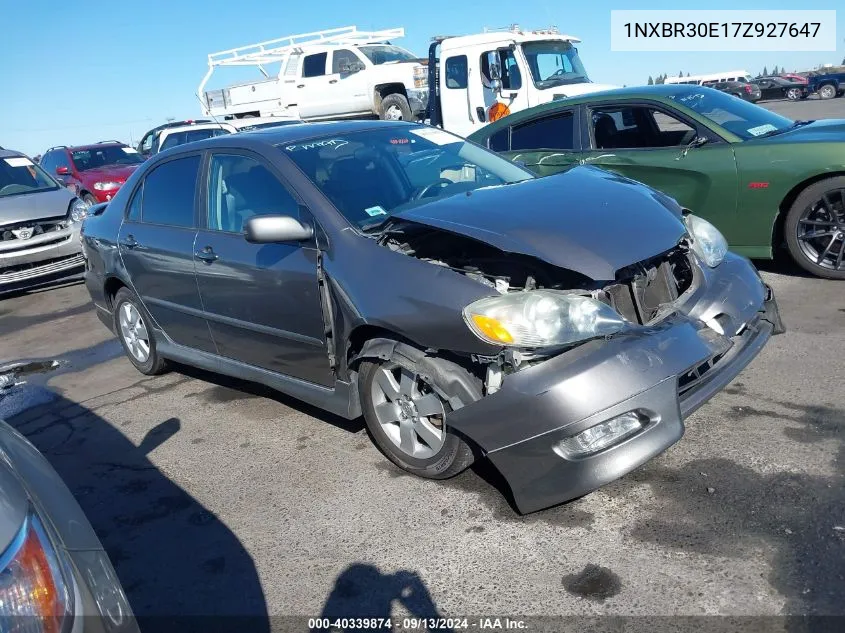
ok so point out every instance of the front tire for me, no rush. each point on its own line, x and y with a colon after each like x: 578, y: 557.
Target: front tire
x: 815, y: 229
x: 793, y: 94
x: 405, y: 411
x: 395, y: 107
x: 134, y: 329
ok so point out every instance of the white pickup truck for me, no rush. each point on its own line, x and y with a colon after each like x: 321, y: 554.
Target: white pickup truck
x: 337, y: 73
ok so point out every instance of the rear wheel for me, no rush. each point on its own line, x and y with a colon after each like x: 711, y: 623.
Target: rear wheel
x: 405, y: 410
x: 815, y: 228
x: 827, y: 92
x: 134, y: 329
x: 395, y: 107
x: 793, y: 94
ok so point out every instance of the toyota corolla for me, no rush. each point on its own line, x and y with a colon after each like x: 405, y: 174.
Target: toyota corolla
x: 562, y: 327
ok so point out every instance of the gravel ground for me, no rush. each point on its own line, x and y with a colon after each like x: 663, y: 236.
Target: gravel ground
x: 217, y: 497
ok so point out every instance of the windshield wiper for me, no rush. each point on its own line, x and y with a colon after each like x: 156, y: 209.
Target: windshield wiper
x: 795, y: 124
x: 374, y: 225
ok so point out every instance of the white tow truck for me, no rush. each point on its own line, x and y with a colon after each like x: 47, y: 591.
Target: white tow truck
x: 476, y: 79
x: 330, y: 74
x: 466, y: 82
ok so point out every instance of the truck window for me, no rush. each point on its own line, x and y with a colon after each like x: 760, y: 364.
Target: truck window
x: 314, y: 65
x: 456, y: 72
x: 553, y: 132
x: 508, y: 68
x: 343, y: 61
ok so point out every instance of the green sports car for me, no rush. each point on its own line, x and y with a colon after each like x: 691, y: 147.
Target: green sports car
x: 764, y: 180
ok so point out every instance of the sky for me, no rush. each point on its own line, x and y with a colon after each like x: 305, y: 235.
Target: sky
x: 93, y: 70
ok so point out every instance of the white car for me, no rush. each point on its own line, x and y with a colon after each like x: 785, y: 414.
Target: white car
x: 173, y: 136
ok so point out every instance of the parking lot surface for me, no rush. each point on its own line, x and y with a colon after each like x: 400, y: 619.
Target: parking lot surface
x: 214, y: 496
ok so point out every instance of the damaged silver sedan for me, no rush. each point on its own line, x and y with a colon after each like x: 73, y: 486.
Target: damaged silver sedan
x: 561, y: 327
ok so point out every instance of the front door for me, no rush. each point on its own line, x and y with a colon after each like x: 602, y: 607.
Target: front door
x: 650, y: 143
x: 156, y: 245
x: 262, y: 301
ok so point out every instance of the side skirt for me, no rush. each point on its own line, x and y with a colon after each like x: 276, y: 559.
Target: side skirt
x: 337, y: 400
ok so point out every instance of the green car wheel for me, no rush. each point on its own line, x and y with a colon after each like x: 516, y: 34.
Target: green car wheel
x: 815, y: 228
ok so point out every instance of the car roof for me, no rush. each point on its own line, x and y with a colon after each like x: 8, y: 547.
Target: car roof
x: 197, y: 126
x: 246, y: 122
x: 10, y: 153
x: 95, y: 146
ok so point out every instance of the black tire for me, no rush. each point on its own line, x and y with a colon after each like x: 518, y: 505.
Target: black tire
x: 155, y: 364
x: 811, y: 195
x: 839, y: 93
x: 89, y: 199
x: 455, y: 455
x: 827, y: 92
x: 393, y: 103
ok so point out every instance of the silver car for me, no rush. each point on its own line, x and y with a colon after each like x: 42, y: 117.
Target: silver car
x: 54, y: 573
x: 39, y: 224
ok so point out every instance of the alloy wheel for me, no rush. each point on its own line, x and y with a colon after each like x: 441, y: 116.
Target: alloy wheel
x: 409, y: 412
x: 133, y: 330
x: 821, y: 231
x: 393, y: 113
x: 827, y: 92
x: 793, y: 94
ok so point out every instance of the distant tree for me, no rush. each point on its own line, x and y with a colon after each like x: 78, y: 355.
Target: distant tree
x: 687, y: 74
x: 650, y: 81
x: 765, y: 72
x: 775, y: 70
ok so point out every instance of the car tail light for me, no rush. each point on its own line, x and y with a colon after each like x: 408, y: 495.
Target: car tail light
x: 748, y: 89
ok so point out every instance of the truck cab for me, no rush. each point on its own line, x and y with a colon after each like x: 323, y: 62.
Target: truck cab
x: 332, y: 74
x: 476, y: 79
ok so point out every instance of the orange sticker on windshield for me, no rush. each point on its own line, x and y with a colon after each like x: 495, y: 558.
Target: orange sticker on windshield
x: 399, y: 141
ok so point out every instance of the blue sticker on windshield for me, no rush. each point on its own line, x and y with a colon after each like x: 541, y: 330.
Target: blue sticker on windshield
x: 374, y: 211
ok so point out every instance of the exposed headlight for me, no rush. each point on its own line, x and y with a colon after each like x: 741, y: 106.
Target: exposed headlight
x: 32, y: 588
x: 541, y: 318
x: 78, y: 211
x: 106, y: 185
x: 707, y: 242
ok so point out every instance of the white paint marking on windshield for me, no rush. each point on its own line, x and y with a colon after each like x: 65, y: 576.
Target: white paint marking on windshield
x: 336, y: 143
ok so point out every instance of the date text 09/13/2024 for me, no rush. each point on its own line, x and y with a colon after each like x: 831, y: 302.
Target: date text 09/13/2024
x: 330, y: 625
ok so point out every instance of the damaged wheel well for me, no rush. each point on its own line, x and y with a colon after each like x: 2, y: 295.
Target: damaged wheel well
x: 113, y: 285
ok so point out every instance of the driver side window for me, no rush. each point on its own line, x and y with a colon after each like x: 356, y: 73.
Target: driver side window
x: 638, y: 127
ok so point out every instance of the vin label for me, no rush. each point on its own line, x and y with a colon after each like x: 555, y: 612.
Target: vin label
x: 706, y: 30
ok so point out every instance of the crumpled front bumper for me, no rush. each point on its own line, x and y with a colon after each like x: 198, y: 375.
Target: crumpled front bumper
x: 667, y: 371
x: 41, y: 258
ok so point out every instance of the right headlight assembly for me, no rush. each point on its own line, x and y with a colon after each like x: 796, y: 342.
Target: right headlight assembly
x: 541, y: 318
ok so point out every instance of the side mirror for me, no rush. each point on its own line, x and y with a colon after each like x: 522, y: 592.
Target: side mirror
x: 62, y: 171
x: 266, y: 229
x: 496, y: 85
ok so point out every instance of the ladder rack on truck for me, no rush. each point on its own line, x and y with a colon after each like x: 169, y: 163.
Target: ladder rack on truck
x: 278, y: 49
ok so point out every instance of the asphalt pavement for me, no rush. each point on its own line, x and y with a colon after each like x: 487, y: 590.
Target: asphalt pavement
x: 219, y: 497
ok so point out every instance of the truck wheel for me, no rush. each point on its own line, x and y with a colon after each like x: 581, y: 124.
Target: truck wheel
x: 405, y: 410
x: 827, y: 92
x: 815, y: 228
x: 395, y: 107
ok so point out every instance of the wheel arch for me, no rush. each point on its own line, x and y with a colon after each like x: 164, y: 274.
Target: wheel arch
x: 778, y: 236
x: 111, y: 287
x: 383, y: 90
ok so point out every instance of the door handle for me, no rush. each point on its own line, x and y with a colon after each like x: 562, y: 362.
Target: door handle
x: 129, y: 242
x: 332, y: 81
x: 207, y: 255
x: 301, y: 86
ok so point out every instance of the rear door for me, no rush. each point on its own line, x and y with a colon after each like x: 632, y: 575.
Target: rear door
x: 156, y: 245
x: 647, y: 142
x: 347, y: 84
x: 312, y: 88
x: 262, y: 301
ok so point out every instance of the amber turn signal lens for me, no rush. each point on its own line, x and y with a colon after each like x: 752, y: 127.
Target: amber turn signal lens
x: 492, y: 328
x: 497, y: 111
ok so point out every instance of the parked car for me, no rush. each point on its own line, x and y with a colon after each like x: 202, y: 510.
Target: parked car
x: 744, y: 90
x: 173, y: 136
x: 248, y: 124
x: 93, y: 172
x: 827, y: 85
x: 39, y: 225
x: 56, y: 574
x: 147, y: 142
x: 764, y: 180
x: 778, y: 88
x: 793, y: 77
x: 462, y: 305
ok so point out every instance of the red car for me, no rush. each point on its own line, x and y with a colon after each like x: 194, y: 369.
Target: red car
x: 93, y: 172
x: 793, y: 77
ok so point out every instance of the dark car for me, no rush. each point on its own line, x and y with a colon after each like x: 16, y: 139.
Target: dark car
x: 826, y: 85
x: 743, y: 90
x: 780, y: 88
x: 562, y: 327
x: 93, y: 172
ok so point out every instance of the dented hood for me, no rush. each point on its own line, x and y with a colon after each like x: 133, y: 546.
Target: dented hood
x: 586, y: 220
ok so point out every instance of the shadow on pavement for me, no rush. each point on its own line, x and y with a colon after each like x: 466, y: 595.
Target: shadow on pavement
x: 362, y: 591
x: 175, y: 559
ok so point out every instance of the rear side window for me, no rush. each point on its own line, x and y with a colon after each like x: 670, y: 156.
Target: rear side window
x: 169, y: 193
x: 314, y: 65
x: 555, y: 132
x: 133, y: 211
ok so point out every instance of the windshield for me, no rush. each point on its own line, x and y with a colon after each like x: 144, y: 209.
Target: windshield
x: 384, y: 54
x: 94, y: 157
x: 373, y: 174
x: 744, y: 119
x: 20, y: 175
x: 554, y: 63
